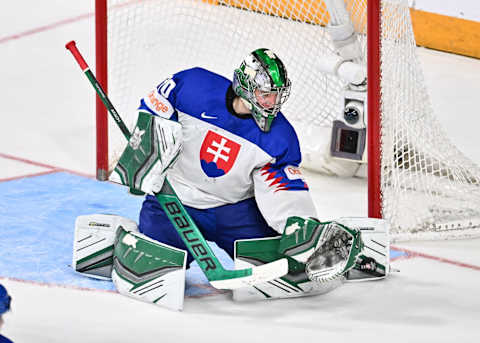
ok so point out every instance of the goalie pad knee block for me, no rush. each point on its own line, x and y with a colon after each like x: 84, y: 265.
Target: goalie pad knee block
x: 255, y: 252
x: 148, y: 270
x: 94, y: 236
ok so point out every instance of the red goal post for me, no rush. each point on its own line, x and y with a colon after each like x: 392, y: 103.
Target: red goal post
x: 373, y: 100
x: 101, y: 62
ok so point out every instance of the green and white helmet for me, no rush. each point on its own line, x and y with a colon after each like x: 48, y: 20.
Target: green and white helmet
x: 261, y: 82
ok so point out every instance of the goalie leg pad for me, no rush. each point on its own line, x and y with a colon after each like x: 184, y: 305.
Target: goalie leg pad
x: 94, y: 236
x: 148, y: 270
x: 255, y: 252
x: 300, y: 238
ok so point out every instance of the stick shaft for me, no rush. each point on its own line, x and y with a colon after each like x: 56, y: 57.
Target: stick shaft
x: 71, y: 46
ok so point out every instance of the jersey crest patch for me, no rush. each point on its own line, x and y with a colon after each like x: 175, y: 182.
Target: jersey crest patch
x: 218, y: 154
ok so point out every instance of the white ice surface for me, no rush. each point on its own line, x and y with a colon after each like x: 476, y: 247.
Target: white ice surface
x: 12, y: 169
x: 47, y: 115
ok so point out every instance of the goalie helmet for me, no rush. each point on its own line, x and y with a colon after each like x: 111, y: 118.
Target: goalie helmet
x: 5, y: 300
x: 262, y: 83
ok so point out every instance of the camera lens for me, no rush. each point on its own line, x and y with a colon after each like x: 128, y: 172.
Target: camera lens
x: 351, y: 115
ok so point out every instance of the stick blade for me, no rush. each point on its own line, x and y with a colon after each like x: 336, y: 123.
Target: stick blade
x: 264, y: 273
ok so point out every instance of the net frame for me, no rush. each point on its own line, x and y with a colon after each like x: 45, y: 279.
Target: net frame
x: 401, y: 166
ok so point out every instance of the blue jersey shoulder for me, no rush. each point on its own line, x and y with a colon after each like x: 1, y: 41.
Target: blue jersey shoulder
x: 198, y: 74
x: 281, y: 142
x: 202, y: 94
x: 4, y: 339
x: 198, y: 89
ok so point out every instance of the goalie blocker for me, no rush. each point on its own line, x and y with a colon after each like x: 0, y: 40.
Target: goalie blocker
x: 153, y: 147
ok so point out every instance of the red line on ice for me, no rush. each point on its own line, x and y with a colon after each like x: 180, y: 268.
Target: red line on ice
x: 57, y: 24
x: 29, y: 175
x: 412, y: 254
x: 53, y: 169
x: 24, y: 160
x: 45, y: 27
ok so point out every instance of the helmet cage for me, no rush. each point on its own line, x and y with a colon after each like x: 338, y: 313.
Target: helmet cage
x: 268, y: 77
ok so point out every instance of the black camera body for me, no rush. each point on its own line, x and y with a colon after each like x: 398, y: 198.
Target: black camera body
x: 349, y: 131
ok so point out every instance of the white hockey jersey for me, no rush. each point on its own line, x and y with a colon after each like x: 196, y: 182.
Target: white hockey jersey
x: 226, y: 158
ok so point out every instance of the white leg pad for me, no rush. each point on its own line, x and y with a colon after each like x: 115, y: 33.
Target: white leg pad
x: 288, y: 286
x: 94, y: 236
x: 254, y: 252
x: 149, y: 271
x: 374, y: 261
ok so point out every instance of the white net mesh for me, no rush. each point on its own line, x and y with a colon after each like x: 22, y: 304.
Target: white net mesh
x: 429, y: 188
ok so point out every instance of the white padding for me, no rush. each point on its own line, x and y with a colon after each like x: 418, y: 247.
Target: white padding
x: 348, y: 71
x: 329, y: 64
x: 94, y: 236
x: 340, y: 32
x: 281, y: 288
x: 352, y: 72
x: 170, y: 133
x: 376, y: 238
x: 338, y: 12
x: 149, y: 271
x: 167, y: 145
x: 345, y: 41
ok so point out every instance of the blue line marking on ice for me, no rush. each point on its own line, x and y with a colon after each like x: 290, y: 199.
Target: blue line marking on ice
x: 397, y: 253
x: 37, y: 218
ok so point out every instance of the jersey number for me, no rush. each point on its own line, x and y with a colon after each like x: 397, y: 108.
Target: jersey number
x: 166, y: 87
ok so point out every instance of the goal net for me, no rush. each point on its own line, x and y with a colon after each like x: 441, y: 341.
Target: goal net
x: 429, y: 189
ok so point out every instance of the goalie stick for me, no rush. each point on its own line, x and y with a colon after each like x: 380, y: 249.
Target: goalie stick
x: 217, y: 275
